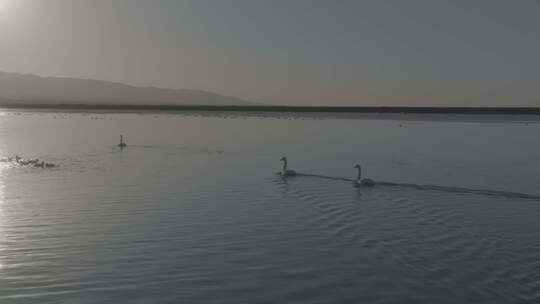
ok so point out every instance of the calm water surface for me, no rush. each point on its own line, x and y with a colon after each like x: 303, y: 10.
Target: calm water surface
x: 192, y: 211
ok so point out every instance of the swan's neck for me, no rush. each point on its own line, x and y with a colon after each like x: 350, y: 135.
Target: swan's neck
x: 284, y: 165
x: 359, y: 173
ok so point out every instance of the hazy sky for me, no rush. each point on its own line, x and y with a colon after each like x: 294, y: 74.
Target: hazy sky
x: 340, y: 52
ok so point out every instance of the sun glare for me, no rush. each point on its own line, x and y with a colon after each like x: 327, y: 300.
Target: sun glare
x: 3, y: 5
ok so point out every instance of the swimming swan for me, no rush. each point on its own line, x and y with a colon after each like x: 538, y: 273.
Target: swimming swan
x: 122, y: 144
x: 363, y: 182
x: 284, y: 171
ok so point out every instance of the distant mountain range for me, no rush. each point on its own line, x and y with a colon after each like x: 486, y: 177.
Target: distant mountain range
x: 22, y: 89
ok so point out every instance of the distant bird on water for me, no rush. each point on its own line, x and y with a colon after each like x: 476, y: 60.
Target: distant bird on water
x: 363, y: 182
x: 122, y: 144
x: 285, y: 171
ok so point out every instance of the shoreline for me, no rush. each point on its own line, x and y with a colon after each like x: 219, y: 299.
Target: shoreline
x: 299, y: 109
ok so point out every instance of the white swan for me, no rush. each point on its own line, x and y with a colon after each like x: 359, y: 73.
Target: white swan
x: 284, y: 171
x: 363, y: 182
x: 122, y: 144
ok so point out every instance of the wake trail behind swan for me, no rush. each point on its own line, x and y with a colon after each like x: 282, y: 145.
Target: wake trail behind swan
x: 424, y: 187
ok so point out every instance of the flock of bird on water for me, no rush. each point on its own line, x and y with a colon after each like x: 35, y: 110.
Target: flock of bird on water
x: 27, y: 162
x: 285, y: 172
x: 36, y: 163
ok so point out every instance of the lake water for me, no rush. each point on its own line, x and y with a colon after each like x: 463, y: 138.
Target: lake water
x: 193, y: 212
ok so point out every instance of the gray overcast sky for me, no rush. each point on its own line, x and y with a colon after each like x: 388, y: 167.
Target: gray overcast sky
x: 341, y: 52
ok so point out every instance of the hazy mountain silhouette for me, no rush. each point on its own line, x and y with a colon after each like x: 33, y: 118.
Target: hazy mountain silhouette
x: 26, y: 89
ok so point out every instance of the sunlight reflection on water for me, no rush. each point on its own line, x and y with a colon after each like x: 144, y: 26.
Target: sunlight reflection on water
x: 3, y: 166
